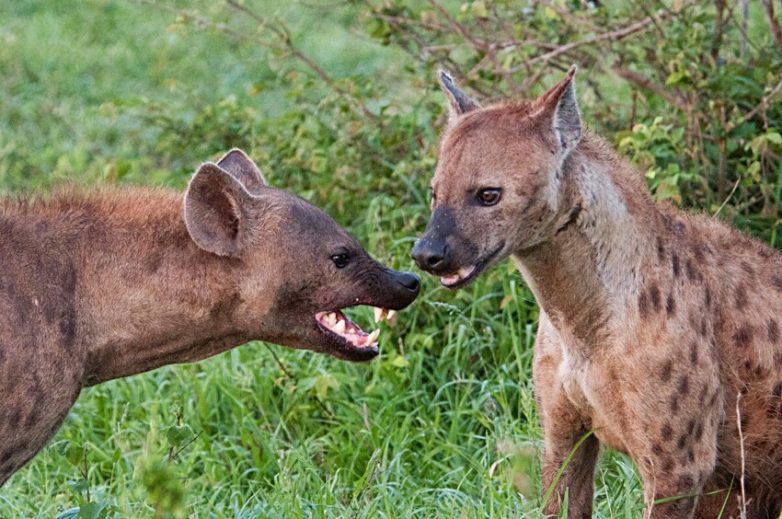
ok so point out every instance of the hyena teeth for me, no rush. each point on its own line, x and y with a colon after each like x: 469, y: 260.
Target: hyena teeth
x: 382, y: 313
x: 466, y: 271
x: 372, y: 337
x: 339, y: 327
x: 330, y: 318
x: 391, y: 315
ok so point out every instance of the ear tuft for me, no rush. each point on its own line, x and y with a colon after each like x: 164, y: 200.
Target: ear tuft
x: 561, y: 105
x: 572, y: 71
x: 459, y: 103
x: 214, y: 211
x: 240, y: 166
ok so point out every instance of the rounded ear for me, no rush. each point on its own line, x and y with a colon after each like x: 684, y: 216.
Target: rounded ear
x: 215, y: 211
x: 242, y: 168
x: 458, y: 102
x: 560, y: 106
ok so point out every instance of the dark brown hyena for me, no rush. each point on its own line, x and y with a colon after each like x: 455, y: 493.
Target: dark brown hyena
x: 100, y: 285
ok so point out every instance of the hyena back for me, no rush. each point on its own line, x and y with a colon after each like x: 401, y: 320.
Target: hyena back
x: 659, y: 330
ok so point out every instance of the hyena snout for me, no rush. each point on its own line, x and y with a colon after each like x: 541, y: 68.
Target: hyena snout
x: 432, y: 255
x: 405, y: 286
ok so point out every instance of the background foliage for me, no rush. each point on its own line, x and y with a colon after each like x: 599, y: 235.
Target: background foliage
x: 337, y: 101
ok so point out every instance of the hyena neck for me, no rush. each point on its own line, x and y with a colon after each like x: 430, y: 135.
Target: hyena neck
x: 151, y: 297
x: 589, y: 270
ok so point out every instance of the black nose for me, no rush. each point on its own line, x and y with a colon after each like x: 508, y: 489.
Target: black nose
x: 429, y: 255
x: 409, y: 281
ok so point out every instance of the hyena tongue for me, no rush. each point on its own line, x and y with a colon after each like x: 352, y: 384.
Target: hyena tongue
x: 450, y: 280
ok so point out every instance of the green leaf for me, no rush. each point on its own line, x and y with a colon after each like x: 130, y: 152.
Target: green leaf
x: 323, y: 383
x: 71, y: 513
x: 79, y: 485
x: 400, y: 362
x: 92, y: 510
x: 178, y: 434
x: 773, y: 137
x: 479, y: 9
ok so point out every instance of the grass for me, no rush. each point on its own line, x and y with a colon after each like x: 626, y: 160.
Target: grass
x: 443, y: 424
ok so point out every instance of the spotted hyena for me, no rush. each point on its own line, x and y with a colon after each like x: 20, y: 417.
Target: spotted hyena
x: 659, y: 330
x: 104, y: 284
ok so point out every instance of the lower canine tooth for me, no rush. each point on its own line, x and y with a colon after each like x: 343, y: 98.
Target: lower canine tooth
x: 340, y: 327
x: 372, y: 337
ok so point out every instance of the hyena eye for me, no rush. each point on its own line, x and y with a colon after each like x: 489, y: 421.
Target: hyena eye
x: 489, y: 196
x: 340, y: 260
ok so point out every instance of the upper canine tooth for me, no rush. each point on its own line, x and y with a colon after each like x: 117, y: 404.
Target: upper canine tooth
x: 339, y: 327
x: 465, y: 271
x: 391, y: 314
x: 378, y: 313
x: 372, y: 337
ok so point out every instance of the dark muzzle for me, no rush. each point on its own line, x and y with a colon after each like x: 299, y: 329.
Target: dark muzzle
x: 431, y: 255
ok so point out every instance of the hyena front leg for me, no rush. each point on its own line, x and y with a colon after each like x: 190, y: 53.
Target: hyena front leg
x: 576, y: 480
x: 563, y: 428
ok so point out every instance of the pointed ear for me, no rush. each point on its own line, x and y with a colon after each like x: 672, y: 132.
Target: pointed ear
x: 215, y: 211
x: 560, y: 105
x: 458, y: 102
x: 242, y: 168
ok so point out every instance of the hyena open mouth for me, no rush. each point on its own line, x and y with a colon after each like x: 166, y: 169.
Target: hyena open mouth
x: 336, y: 323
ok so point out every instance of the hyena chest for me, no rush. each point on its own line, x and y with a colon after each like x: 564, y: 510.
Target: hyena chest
x: 26, y: 425
x: 591, y: 386
x: 37, y: 388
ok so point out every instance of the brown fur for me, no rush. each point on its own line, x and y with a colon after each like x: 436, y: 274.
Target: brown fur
x: 652, y: 320
x: 110, y: 283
